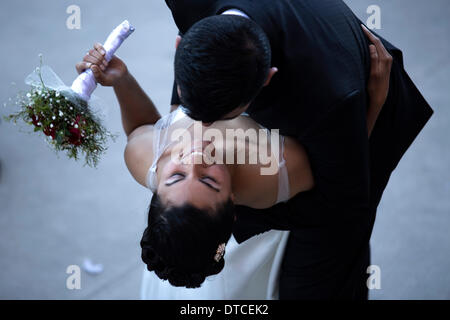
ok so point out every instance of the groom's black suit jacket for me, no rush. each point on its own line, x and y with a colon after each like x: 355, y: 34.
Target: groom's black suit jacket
x: 319, y: 96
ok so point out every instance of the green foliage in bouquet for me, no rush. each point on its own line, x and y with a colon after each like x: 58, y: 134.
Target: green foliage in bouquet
x: 67, y: 122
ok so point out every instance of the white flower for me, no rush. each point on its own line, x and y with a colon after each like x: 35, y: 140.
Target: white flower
x: 53, y: 117
x: 61, y: 113
x: 39, y: 124
x: 28, y: 95
x: 71, y: 108
x: 57, y: 94
x: 75, y: 126
x: 51, y: 125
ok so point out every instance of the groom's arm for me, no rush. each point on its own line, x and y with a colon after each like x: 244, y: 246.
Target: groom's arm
x: 338, y: 152
x: 339, y: 155
x: 339, y: 131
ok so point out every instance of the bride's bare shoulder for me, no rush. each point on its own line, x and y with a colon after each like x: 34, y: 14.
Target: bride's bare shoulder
x: 145, y: 130
x: 139, y: 152
x: 298, y: 165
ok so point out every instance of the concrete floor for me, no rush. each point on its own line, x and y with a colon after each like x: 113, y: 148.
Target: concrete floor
x: 55, y: 213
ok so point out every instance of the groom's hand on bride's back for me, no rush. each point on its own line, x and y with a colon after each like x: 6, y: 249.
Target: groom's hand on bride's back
x: 380, y: 70
x: 106, y: 73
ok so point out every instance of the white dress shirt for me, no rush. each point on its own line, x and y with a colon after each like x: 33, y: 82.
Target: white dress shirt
x: 236, y: 12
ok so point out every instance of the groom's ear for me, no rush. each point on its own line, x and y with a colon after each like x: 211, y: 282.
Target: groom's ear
x: 272, y: 72
x: 177, y: 42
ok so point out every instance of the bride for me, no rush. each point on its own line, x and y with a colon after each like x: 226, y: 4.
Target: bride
x: 197, y: 181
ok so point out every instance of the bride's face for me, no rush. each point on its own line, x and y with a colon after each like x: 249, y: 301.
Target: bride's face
x: 189, y: 179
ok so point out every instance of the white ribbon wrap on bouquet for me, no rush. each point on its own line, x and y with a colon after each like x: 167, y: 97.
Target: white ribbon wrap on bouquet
x: 85, y: 84
x: 45, y: 76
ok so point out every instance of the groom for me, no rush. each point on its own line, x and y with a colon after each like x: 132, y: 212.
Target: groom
x: 319, y: 96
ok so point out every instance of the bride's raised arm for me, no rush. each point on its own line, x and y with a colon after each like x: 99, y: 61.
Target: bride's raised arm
x: 139, y: 114
x: 136, y: 107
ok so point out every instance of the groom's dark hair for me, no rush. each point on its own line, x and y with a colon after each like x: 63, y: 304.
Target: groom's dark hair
x: 221, y: 64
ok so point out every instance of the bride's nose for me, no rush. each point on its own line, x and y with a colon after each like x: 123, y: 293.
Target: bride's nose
x: 197, y: 159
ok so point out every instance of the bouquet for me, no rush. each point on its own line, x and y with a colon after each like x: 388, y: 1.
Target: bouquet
x: 69, y: 117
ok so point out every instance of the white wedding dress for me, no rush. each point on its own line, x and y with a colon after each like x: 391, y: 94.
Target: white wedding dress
x: 251, y: 269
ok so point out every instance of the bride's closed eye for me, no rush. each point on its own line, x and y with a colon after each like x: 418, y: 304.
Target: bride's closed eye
x: 174, y: 178
x: 208, y: 181
x: 211, y: 183
x: 209, y: 178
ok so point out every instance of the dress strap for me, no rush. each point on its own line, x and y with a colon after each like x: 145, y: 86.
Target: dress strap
x: 160, y: 143
x: 283, y: 177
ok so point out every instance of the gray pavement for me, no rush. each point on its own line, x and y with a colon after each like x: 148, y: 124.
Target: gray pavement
x: 54, y: 212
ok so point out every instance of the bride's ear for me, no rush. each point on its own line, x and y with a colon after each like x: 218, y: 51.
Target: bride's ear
x: 272, y: 72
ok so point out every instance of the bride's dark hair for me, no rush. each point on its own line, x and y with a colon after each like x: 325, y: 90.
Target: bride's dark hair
x: 180, y: 243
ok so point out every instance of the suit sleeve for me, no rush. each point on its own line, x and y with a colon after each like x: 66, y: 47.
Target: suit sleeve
x: 338, y: 152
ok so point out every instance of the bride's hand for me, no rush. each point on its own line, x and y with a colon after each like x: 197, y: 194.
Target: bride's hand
x: 106, y: 73
x: 380, y: 71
